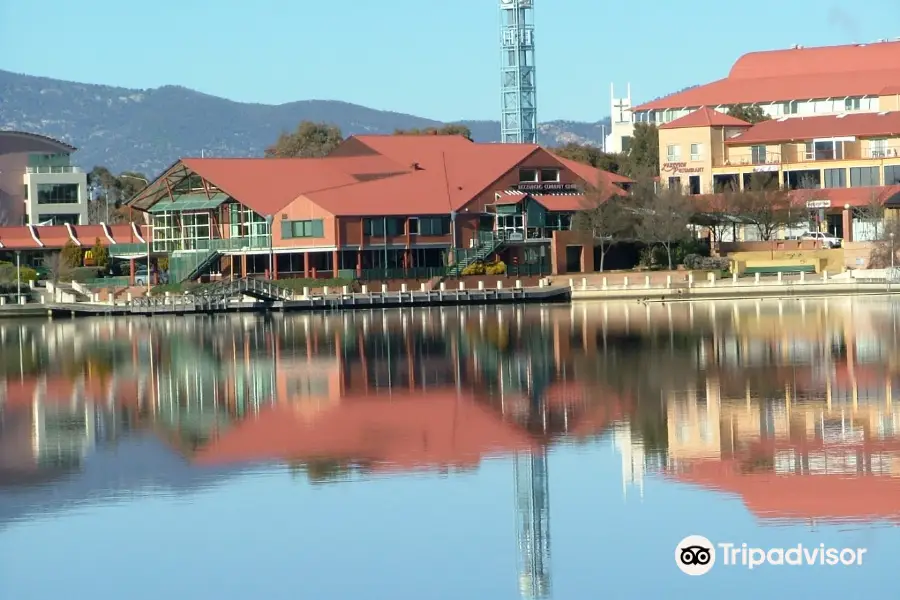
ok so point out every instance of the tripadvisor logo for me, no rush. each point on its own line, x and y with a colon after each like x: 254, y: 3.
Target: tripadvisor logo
x: 696, y: 555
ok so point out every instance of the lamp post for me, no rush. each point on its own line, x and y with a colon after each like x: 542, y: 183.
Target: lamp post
x: 147, y: 220
x: 891, y: 277
x: 270, y: 219
x: 18, y: 277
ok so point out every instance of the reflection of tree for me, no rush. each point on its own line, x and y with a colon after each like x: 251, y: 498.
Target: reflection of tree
x: 327, y: 470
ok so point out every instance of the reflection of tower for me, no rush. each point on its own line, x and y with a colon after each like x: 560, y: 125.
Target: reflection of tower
x: 518, y: 88
x: 632, y: 453
x: 533, y: 513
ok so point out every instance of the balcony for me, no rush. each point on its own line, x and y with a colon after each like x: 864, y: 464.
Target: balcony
x: 52, y: 170
x: 809, y: 153
x: 747, y: 158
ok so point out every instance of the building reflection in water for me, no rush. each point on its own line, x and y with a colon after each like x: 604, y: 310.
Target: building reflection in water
x: 776, y: 401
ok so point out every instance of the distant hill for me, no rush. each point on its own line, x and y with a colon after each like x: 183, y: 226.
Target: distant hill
x: 147, y: 130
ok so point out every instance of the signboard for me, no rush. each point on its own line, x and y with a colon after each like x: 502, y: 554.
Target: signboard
x: 811, y: 204
x: 546, y: 187
x: 676, y: 168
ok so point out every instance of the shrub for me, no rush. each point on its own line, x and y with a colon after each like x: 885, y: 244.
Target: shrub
x: 497, y: 268
x: 72, y: 256
x: 476, y: 268
x: 706, y: 263
x: 79, y: 274
x: 8, y: 274
x: 100, y: 254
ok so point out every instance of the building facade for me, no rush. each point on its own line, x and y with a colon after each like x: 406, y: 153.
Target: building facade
x: 390, y: 203
x: 38, y: 183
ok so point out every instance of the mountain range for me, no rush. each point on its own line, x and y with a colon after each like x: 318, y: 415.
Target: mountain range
x: 147, y: 130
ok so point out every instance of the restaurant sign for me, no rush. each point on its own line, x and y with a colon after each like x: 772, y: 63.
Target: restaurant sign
x: 812, y: 204
x: 546, y: 187
x: 677, y: 168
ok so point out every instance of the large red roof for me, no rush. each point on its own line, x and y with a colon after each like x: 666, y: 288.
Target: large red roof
x: 884, y: 124
x: 705, y: 117
x: 795, y: 74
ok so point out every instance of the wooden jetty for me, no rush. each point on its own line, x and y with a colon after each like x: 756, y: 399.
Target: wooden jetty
x: 251, y: 295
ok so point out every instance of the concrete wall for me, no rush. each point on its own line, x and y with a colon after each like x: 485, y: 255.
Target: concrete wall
x: 14, y: 150
x: 37, y: 213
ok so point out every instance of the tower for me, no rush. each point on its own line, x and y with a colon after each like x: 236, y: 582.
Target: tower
x: 621, y: 121
x: 518, y: 89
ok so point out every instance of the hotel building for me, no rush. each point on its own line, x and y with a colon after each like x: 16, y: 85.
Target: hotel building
x: 38, y: 183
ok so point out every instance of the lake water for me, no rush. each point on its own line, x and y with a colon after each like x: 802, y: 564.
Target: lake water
x: 497, y: 453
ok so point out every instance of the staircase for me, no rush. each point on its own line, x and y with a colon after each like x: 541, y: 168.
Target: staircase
x: 488, y: 243
x: 187, y: 266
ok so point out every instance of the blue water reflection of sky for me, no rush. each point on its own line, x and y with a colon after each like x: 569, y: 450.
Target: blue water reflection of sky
x: 268, y: 534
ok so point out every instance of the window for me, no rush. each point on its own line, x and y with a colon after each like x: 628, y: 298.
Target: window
x: 892, y: 175
x: 434, y: 225
x: 528, y: 176
x: 863, y: 176
x: 57, y: 219
x: 244, y: 223
x: 25, y: 194
x: 852, y: 103
x: 413, y: 225
x: 835, y: 178
x: 694, y: 185
x: 696, y: 151
x: 758, y: 155
x: 827, y: 150
x: 313, y: 228
x: 674, y: 182
x: 626, y: 143
x: 673, y: 153
x: 550, y: 175
x: 878, y: 148
x: 57, y: 193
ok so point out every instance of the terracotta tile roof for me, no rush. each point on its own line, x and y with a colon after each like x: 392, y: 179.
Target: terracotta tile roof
x: 591, y: 174
x: 17, y: 238
x: 124, y: 233
x: 705, y: 117
x: 89, y: 234
x: 807, y: 128
x: 416, y: 193
x: 412, y: 432
x: 53, y: 236
x: 802, y: 73
x: 856, y: 196
x: 268, y: 185
x: 561, y: 202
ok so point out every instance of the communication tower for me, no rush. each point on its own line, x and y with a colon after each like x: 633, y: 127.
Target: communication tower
x: 518, y: 88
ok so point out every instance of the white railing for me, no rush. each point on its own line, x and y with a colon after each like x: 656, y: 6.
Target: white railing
x: 53, y: 170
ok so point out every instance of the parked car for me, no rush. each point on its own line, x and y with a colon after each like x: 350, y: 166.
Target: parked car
x: 140, y: 277
x: 826, y: 239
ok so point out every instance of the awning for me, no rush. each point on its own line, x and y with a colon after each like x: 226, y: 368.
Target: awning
x: 189, y: 202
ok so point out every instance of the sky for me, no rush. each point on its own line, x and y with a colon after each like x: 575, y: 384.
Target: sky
x: 432, y: 59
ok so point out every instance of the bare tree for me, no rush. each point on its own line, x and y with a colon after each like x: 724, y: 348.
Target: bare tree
x: 767, y: 206
x: 873, y: 214
x: 880, y: 257
x: 604, y: 217
x: 53, y: 262
x: 716, y: 212
x: 665, y: 216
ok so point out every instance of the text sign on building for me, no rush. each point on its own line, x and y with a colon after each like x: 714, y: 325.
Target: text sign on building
x: 543, y: 188
x: 818, y: 204
x: 677, y: 168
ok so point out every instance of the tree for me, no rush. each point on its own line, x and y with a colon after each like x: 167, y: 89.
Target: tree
x: 604, y: 217
x: 880, y: 257
x: 716, y: 212
x: 71, y: 256
x: 643, y: 156
x: 451, y: 129
x: 751, y: 113
x: 766, y: 205
x: 53, y: 263
x: 309, y: 140
x: 591, y: 155
x: 664, y: 216
x: 100, y: 254
x: 109, y: 192
x: 873, y: 215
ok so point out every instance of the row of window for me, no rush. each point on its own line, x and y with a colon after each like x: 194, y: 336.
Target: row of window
x: 860, y: 177
x: 435, y: 226
x: 673, y: 152
x: 55, y: 193
x: 776, y: 109
x: 312, y: 228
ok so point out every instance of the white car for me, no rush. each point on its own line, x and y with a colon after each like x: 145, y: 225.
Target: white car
x: 827, y: 240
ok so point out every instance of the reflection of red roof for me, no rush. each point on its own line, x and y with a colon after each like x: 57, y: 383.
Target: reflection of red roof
x: 436, y: 430
x: 795, y: 74
x: 61, y: 390
x: 808, y: 128
x: 801, y: 497
x: 705, y: 117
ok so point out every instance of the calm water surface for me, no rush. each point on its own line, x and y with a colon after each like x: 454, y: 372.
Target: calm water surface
x: 558, y: 452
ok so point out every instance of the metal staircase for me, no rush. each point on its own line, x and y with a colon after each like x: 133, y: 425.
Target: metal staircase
x: 488, y: 243
x: 187, y: 266
x: 218, y: 295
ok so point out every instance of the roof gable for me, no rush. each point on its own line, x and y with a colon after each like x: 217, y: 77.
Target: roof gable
x: 705, y: 117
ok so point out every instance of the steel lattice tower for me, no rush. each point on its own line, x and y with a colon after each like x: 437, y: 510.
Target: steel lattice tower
x: 518, y: 88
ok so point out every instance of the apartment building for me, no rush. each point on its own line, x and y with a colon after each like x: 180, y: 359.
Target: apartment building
x: 38, y: 182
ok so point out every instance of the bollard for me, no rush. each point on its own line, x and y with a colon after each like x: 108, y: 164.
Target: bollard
x: 734, y: 277
x: 480, y: 285
x: 647, y: 282
x: 462, y: 286
x: 306, y: 292
x: 3, y: 301
x: 384, y: 288
x: 95, y: 297
x: 711, y: 277
x: 499, y: 285
x: 345, y: 289
x: 129, y: 297
x: 325, y: 290
x: 756, y: 279
x: 779, y: 277
x: 542, y: 283
x: 43, y: 299
x: 572, y: 283
x: 423, y: 288
x: 668, y: 282
x: 443, y: 287
x: 404, y: 288
x: 365, y: 289
x: 624, y: 283
x: 605, y: 283
x: 825, y: 275
x: 167, y: 300
x: 31, y: 284
x: 518, y: 283
x: 802, y: 276
x: 21, y: 299
x: 690, y: 280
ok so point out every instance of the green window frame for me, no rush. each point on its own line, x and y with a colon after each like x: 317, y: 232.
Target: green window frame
x: 309, y: 228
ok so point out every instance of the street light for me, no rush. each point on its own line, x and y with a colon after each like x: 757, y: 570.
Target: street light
x: 891, y: 235
x: 18, y: 277
x: 270, y: 219
x: 147, y: 221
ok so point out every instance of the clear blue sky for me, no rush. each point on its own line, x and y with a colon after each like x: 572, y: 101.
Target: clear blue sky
x: 433, y: 59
